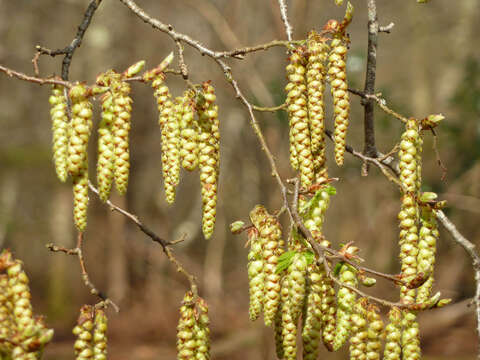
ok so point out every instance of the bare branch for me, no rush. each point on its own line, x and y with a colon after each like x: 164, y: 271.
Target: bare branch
x: 33, y: 79
x: 283, y: 13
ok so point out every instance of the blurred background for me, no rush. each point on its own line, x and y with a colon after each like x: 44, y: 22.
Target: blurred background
x: 429, y: 63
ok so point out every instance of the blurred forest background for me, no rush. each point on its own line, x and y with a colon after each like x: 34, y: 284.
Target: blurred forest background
x: 429, y: 63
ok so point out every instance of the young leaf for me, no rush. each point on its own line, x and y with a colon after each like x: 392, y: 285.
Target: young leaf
x: 284, y: 261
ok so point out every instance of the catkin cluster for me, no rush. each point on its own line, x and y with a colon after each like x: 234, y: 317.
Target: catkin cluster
x: 307, y: 73
x: 91, y: 334
x: 23, y: 335
x: 193, y: 333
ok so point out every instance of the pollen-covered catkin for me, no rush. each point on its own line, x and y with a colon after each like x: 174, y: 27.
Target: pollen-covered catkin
x: 375, y: 329
x: 298, y: 118
x: 60, y: 125
x: 345, y: 302
x: 80, y: 200
x: 393, y: 335
x: 317, y: 50
x: 358, y: 341
x: 83, y: 331
x: 256, y: 275
x: 186, y: 341
x: 106, y: 148
x: 427, y: 249
x: 313, y: 212
x: 166, y: 115
x: 202, y: 332
x: 329, y: 308
x: 289, y: 325
x: 100, y: 336
x: 122, y: 109
x: 81, y: 126
x: 189, y: 133
x: 296, y: 282
x: 209, y: 156
x: 312, y: 316
x: 7, y: 325
x: 338, y: 84
x: 410, y: 337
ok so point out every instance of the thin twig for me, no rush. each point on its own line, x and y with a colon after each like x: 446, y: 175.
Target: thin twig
x: 33, y: 79
x: 283, y: 13
x: 382, y: 103
x: 270, y: 109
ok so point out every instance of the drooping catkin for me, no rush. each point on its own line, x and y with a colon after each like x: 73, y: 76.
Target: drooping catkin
x: 358, y: 341
x: 7, y: 325
x: 313, y: 213
x: 106, y: 148
x: 345, y: 304
x: 278, y: 323
x: 375, y: 328
x: 296, y: 282
x: 337, y: 73
x: 60, y: 125
x: 427, y: 249
x: 209, y: 156
x: 80, y: 200
x: 410, y: 337
x: 393, y: 335
x: 289, y: 325
x: 312, y: 316
x: 317, y: 50
x: 100, y: 335
x: 329, y: 309
x: 202, y: 332
x: 256, y: 275
x: 270, y: 234
x: 298, y: 117
x: 122, y: 109
x: 83, y: 331
x: 81, y: 126
x: 186, y: 342
x: 189, y: 133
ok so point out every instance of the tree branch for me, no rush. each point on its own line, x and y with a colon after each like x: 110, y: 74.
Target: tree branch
x: 283, y: 13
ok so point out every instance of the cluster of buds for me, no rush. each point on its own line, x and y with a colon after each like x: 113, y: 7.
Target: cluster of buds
x: 91, y: 334
x: 22, y: 335
x: 193, y: 333
x: 307, y: 74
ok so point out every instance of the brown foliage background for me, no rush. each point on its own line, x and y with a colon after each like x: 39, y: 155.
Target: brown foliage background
x: 430, y: 63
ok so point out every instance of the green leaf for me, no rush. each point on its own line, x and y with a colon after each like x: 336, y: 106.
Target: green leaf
x: 337, y: 268
x: 284, y: 261
x: 310, y: 256
x: 330, y: 190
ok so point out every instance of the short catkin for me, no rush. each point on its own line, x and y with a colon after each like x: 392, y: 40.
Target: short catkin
x: 186, y: 341
x: 83, y: 345
x: 100, y: 335
x: 60, y: 126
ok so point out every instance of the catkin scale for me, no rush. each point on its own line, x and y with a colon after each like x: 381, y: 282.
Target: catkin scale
x: 339, y: 89
x: 209, y: 156
x: 60, y: 125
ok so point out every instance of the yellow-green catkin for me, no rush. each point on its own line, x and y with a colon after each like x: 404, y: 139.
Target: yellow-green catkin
x: 122, y: 108
x: 296, y: 282
x: 337, y: 72
x: 186, y: 341
x: 312, y: 316
x: 278, y: 323
x: 270, y: 234
x: 80, y: 200
x: 427, y: 249
x: 60, y: 125
x: 256, y: 275
x: 410, y: 337
x: 358, y: 341
x: 393, y: 335
x: 375, y: 329
x: 188, y: 132
x: 7, y: 325
x: 166, y: 115
x: 345, y: 303
x: 83, y: 345
x: 328, y: 308
x: 313, y: 212
x: 202, y: 332
x: 289, y: 325
x: 81, y: 127
x: 106, y: 148
x: 209, y: 156
x: 100, y: 335
x: 300, y: 146
x: 317, y: 50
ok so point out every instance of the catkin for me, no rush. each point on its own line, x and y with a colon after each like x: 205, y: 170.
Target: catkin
x: 328, y: 308
x: 209, y: 156
x: 345, y: 302
x: 80, y: 200
x: 375, y: 329
x: 186, y: 342
x: 410, y: 337
x: 60, y: 125
x: 393, y: 335
x: 339, y: 88
x: 81, y: 127
x: 256, y: 275
x: 100, y: 336
x: 298, y: 118
x: 289, y: 325
x: 7, y: 324
x: 296, y: 282
x: 358, y: 341
x: 317, y: 50
x: 312, y: 317
x: 202, y: 332
x: 83, y: 331
x: 189, y: 133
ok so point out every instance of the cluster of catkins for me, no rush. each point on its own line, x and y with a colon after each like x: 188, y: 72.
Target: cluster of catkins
x: 23, y: 336
x: 193, y: 333
x: 91, y: 334
x: 307, y: 72
x: 190, y: 138
x: 189, y: 127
